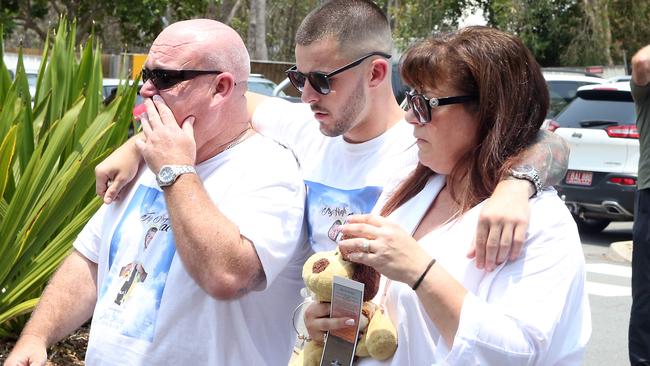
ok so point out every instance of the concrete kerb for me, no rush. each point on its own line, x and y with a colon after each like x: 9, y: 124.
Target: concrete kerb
x: 621, y: 251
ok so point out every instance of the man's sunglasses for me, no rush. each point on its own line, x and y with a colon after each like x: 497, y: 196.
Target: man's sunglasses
x: 165, y: 79
x: 422, y: 105
x: 321, y: 81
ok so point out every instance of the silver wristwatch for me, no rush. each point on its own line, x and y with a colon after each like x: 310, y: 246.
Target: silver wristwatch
x: 528, y: 173
x: 169, y: 173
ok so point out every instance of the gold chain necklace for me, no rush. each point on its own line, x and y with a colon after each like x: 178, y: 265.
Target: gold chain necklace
x: 237, y: 140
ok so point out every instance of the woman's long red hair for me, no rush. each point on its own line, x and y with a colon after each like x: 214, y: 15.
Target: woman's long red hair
x: 512, y: 104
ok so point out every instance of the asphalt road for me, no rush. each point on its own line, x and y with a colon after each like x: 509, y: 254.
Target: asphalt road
x: 608, y: 284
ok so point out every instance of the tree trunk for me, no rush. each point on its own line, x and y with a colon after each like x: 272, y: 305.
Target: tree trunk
x: 233, y: 12
x: 257, y: 30
x: 598, y: 15
x: 211, y: 11
x: 607, y: 32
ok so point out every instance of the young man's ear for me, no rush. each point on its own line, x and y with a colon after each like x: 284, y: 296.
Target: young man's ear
x: 379, y: 71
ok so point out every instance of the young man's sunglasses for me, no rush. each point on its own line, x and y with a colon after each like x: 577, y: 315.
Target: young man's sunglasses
x: 422, y: 105
x: 165, y: 79
x: 321, y: 81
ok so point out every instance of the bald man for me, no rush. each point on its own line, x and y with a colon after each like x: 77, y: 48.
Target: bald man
x: 223, y: 270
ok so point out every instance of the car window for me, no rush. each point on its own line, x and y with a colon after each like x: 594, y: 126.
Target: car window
x: 31, y: 79
x: 107, y: 90
x: 581, y: 111
x: 561, y: 93
x: 262, y: 87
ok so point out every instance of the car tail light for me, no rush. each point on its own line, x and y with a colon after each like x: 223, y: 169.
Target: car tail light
x: 552, y: 125
x: 627, y: 131
x: 623, y: 181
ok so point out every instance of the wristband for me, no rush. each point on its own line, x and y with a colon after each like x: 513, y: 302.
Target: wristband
x: 419, y: 281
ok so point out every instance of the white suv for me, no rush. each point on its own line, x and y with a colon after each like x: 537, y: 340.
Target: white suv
x: 600, y: 183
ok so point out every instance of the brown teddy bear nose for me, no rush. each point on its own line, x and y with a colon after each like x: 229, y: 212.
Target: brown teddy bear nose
x: 320, y: 265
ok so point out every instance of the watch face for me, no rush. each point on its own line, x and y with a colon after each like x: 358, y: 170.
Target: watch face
x: 166, y: 175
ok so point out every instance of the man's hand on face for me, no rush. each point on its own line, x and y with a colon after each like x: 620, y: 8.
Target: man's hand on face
x: 165, y: 142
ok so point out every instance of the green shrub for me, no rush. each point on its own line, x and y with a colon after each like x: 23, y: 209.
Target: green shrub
x: 48, y: 152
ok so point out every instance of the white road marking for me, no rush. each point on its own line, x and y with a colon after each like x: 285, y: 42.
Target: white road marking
x: 602, y: 289
x: 610, y: 269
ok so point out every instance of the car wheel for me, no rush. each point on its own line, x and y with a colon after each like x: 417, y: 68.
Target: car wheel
x: 590, y: 226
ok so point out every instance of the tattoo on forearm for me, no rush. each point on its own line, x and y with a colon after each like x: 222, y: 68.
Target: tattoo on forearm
x: 549, y: 155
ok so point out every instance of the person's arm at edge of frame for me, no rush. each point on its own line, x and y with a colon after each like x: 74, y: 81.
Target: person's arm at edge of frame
x: 503, y: 220
x: 66, y: 303
x: 641, y: 66
x: 122, y: 165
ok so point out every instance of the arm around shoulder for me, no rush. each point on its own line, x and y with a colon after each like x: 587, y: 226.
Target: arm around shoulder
x: 549, y: 155
x: 253, y: 100
x: 117, y: 170
x: 504, y: 218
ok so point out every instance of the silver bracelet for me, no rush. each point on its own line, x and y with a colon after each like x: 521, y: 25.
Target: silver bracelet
x: 301, y: 337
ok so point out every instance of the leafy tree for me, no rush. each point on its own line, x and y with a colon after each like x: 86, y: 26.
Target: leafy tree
x: 283, y: 20
x: 546, y: 27
x: 592, y: 38
x: 416, y: 19
x: 630, y: 27
x: 131, y: 23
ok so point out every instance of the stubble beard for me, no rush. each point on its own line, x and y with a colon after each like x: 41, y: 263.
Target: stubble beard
x: 349, y: 113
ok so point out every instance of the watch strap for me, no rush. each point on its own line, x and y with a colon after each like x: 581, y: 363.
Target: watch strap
x: 531, y: 176
x: 177, y: 170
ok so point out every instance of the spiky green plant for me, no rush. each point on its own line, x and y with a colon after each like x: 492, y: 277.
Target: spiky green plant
x: 48, y: 152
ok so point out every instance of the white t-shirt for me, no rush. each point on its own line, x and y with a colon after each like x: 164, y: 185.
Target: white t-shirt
x: 341, y: 178
x: 165, y: 318
x: 533, y: 310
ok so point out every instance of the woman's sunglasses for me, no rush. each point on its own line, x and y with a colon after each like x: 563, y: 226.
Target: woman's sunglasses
x: 321, y: 81
x: 165, y: 79
x: 422, y: 105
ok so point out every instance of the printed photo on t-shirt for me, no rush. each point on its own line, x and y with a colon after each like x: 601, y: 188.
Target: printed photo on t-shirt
x: 329, y: 207
x: 140, y: 255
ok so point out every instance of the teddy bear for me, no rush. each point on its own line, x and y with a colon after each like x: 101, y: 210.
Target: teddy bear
x: 378, y: 337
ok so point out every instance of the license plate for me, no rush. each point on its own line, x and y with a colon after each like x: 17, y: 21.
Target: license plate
x: 579, y: 178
